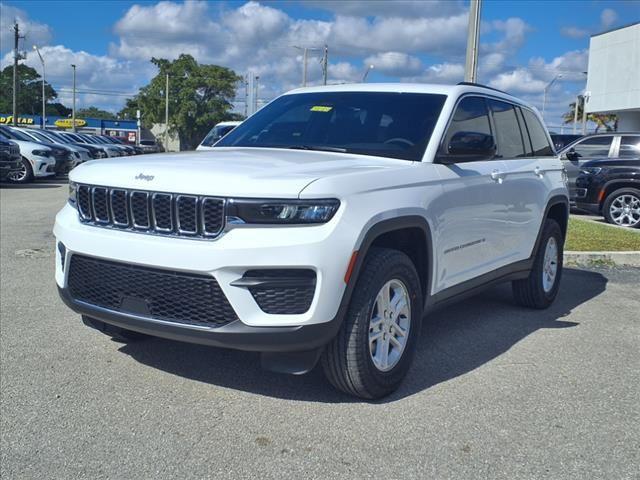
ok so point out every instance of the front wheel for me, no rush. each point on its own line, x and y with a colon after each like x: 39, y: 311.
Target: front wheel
x: 372, y: 352
x: 622, y: 208
x: 24, y: 174
x: 540, y: 288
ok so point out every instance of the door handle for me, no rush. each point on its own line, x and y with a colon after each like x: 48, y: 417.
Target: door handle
x: 497, y: 176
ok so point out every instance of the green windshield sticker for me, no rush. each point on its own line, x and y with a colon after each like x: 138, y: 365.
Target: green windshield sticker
x: 320, y: 108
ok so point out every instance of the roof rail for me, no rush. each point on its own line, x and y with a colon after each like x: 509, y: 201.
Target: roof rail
x: 472, y: 84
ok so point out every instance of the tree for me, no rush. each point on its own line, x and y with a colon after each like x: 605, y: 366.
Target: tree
x: 199, y: 97
x: 95, y: 112
x: 607, y: 121
x: 29, y: 99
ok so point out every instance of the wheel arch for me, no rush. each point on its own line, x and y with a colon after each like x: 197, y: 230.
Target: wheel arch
x: 613, y: 185
x: 410, y: 234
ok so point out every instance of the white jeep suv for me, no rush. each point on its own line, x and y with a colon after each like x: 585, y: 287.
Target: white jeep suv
x: 322, y: 228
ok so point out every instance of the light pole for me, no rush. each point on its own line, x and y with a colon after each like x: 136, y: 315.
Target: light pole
x: 44, y: 99
x: 73, y: 111
x: 366, y: 73
x: 473, y: 42
x: 546, y: 89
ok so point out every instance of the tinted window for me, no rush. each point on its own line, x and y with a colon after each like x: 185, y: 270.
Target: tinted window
x: 471, y: 116
x: 508, y: 134
x: 538, y: 135
x: 629, y: 146
x: 216, y: 134
x: 593, y: 147
x: 387, y: 124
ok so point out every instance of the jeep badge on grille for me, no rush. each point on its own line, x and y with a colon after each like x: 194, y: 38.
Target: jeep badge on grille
x: 142, y: 176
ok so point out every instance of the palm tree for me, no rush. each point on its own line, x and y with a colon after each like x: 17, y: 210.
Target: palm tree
x: 608, y: 121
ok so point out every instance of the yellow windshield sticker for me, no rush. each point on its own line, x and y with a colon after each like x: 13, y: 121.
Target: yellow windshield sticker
x: 320, y: 108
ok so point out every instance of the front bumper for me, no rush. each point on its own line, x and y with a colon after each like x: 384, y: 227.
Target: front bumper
x: 8, y: 167
x: 227, y: 258
x: 235, y: 335
x: 589, y: 207
x: 43, y: 166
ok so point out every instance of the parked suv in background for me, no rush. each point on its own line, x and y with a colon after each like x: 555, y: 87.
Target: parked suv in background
x: 10, y: 160
x: 611, y: 188
x: 595, y: 147
x: 216, y: 133
x: 37, y: 160
x: 322, y: 228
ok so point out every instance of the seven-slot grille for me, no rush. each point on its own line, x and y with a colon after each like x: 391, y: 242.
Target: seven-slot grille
x: 151, y: 212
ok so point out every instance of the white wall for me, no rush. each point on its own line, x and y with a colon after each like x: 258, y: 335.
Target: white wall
x: 613, y: 81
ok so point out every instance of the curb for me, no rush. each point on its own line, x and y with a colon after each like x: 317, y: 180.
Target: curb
x: 627, y: 259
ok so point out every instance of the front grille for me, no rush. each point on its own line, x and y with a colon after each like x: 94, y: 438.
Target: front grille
x: 149, y: 292
x: 283, y: 291
x: 151, y: 212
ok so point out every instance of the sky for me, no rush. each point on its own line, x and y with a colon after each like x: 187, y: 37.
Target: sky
x: 524, y: 44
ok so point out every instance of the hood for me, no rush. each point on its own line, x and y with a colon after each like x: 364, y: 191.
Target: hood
x: 614, y: 162
x: 26, y: 146
x: 228, y: 171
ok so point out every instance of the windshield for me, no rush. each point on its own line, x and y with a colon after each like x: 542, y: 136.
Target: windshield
x: 216, y: 134
x: 386, y: 124
x: 17, y: 135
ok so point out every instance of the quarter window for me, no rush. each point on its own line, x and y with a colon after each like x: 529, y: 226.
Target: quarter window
x: 508, y: 133
x: 629, y: 146
x: 538, y: 135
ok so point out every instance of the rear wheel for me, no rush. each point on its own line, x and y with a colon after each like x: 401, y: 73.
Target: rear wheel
x: 116, y: 333
x: 622, y: 208
x: 372, y: 352
x: 22, y: 175
x: 540, y: 288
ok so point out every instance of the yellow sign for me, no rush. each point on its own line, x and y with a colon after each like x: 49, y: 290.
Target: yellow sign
x: 8, y: 120
x: 68, y: 123
x: 320, y: 108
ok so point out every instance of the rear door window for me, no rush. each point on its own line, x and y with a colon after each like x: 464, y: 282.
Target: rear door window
x: 630, y: 146
x: 593, y: 147
x: 538, y: 135
x: 508, y: 134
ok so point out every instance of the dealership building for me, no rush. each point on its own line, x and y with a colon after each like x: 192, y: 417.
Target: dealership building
x: 126, y: 130
x: 613, y: 82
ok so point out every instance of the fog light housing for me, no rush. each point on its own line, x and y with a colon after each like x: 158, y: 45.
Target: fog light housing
x: 63, y: 254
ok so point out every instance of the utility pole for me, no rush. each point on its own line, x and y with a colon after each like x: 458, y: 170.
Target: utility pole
x: 166, y: 115
x: 246, y: 95
x: 255, y: 93
x: 44, y: 99
x: 325, y: 64
x: 304, y: 67
x: 73, y: 107
x: 473, y: 42
x: 585, y: 99
x: 16, y: 57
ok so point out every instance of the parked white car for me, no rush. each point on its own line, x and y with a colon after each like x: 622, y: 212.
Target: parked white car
x: 216, y: 133
x: 80, y: 154
x: 322, y: 228
x: 38, y: 160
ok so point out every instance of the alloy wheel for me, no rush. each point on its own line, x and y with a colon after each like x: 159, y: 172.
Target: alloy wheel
x: 625, y: 210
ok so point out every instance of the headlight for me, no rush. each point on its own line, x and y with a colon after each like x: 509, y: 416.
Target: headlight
x: 565, y: 177
x: 100, y: 154
x: 283, y: 212
x: 42, y: 153
x: 591, y: 170
x: 73, y: 190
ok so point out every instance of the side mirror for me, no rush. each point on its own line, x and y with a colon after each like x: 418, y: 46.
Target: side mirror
x: 467, y: 147
x: 571, y: 154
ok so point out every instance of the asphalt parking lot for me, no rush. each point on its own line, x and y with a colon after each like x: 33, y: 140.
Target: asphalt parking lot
x: 495, y: 391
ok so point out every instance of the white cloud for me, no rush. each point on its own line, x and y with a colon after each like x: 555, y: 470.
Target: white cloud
x: 574, y: 32
x: 395, y: 63
x: 607, y: 18
x: 518, y: 81
x: 35, y: 33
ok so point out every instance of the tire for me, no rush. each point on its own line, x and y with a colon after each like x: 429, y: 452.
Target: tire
x: 348, y: 361
x: 619, y: 200
x: 116, y: 333
x: 24, y: 175
x: 537, y: 290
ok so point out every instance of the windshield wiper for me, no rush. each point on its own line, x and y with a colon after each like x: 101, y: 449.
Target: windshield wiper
x: 319, y: 148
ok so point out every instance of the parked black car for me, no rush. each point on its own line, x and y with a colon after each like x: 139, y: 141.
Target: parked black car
x: 597, y: 147
x: 561, y: 140
x: 611, y: 188
x: 10, y: 159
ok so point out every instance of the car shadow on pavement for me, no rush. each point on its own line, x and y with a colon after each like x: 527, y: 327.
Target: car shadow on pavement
x: 454, y: 341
